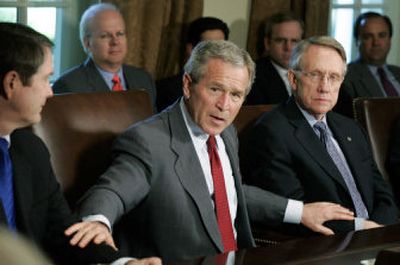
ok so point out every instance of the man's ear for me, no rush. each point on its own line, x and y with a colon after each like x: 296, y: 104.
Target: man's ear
x: 267, y: 43
x: 11, y: 81
x: 187, y: 83
x: 292, y: 80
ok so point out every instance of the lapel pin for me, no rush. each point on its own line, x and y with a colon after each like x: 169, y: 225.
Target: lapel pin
x: 349, y: 138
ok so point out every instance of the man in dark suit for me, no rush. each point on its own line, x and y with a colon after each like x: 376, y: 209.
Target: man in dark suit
x: 162, y: 182
x: 204, y: 28
x: 102, y: 33
x: 289, y: 153
x: 271, y: 86
x: 370, y: 75
x: 31, y: 200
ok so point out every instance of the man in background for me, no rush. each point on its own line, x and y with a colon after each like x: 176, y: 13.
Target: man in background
x: 103, y: 37
x: 370, y: 75
x: 205, y: 28
x: 271, y: 86
x: 31, y: 200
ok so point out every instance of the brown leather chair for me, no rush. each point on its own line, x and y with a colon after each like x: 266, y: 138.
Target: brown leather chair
x: 247, y: 116
x: 79, y: 129
x: 377, y: 116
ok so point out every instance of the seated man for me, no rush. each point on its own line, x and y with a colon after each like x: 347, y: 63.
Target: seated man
x: 271, y: 86
x: 303, y: 151
x: 102, y: 33
x: 370, y: 75
x: 205, y: 28
x: 31, y: 200
x: 174, y: 183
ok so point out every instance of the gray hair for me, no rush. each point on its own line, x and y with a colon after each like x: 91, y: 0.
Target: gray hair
x: 224, y: 50
x: 88, y: 16
x: 304, y: 45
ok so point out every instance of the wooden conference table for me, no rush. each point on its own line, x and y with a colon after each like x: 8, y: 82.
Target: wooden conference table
x: 354, y: 248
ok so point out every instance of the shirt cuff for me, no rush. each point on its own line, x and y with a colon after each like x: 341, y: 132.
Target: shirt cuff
x: 358, y: 223
x: 98, y: 218
x: 122, y: 261
x: 293, y: 212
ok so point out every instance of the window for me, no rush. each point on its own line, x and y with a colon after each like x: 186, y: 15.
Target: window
x: 345, y: 12
x: 44, y: 16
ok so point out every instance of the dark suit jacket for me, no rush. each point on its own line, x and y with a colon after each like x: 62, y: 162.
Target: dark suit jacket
x: 268, y: 87
x: 42, y: 214
x: 286, y: 157
x: 393, y: 160
x: 86, y: 78
x: 168, y: 91
x: 156, y: 181
x: 359, y: 82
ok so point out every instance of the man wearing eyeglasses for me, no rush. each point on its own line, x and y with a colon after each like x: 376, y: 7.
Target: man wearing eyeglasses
x: 304, y: 151
x: 103, y: 37
x: 281, y: 34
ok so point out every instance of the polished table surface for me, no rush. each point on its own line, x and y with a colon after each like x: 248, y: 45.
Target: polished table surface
x: 354, y: 248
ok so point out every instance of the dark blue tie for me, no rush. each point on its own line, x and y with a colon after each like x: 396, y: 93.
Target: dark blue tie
x: 6, y: 184
x: 344, y: 170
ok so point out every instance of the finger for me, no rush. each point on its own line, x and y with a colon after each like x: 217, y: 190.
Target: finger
x: 325, y: 230
x: 87, y: 238
x: 106, y: 238
x: 72, y: 229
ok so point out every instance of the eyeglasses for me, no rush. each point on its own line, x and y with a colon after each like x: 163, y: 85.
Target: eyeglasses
x: 317, y: 76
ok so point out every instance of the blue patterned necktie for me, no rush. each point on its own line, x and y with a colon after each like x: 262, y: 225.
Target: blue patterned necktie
x: 6, y: 184
x: 361, y: 210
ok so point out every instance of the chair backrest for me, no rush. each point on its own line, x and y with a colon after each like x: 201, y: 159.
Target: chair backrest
x: 79, y: 129
x: 377, y: 115
x: 247, y: 116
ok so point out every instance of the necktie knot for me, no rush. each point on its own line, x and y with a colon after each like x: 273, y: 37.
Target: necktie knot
x: 211, y: 142
x: 117, y: 86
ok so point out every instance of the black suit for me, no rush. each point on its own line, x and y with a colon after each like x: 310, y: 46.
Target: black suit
x: 393, y: 160
x: 286, y: 157
x: 42, y: 214
x: 86, y: 78
x: 168, y: 91
x: 268, y: 87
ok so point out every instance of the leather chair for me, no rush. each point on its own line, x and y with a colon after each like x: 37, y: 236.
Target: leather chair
x: 79, y: 129
x: 247, y: 116
x: 377, y: 116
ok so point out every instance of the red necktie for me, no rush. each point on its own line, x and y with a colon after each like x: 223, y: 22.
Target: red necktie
x: 387, y: 86
x: 221, y: 200
x: 117, y: 86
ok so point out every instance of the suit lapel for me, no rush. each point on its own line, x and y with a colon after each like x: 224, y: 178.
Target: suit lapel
x: 96, y: 81
x: 190, y: 173
x: 22, y: 188
x: 308, y: 139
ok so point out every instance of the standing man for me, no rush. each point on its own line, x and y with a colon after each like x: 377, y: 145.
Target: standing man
x: 271, y: 86
x: 304, y: 151
x: 103, y: 37
x: 204, y: 28
x: 175, y: 180
x: 31, y: 200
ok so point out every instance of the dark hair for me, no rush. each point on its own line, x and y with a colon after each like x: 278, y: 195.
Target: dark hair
x: 279, y: 18
x: 367, y: 15
x: 21, y: 50
x: 200, y: 25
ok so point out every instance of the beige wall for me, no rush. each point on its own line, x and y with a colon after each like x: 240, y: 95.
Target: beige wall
x: 235, y: 13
